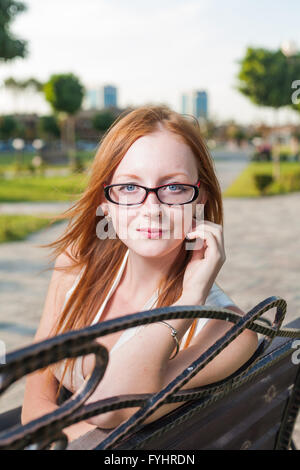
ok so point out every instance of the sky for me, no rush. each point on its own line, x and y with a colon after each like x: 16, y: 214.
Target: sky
x: 152, y: 51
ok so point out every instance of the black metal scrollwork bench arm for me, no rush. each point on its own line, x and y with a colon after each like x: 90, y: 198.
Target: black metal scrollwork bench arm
x: 254, y: 408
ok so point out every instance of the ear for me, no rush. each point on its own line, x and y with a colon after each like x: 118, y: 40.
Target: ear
x: 104, y: 208
x: 203, y: 196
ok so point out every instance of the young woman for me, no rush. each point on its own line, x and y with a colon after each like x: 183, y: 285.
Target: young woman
x: 151, y: 174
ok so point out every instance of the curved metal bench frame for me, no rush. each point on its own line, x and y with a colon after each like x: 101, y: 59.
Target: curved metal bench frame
x: 41, y: 432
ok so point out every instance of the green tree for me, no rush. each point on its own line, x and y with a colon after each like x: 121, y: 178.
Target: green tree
x: 265, y: 77
x: 48, y: 127
x: 65, y: 93
x: 10, y: 46
x: 236, y: 133
x: 18, y: 87
x: 33, y: 83
x: 8, y: 126
x: 103, y: 120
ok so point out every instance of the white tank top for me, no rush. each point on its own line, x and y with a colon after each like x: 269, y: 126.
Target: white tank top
x: 216, y: 297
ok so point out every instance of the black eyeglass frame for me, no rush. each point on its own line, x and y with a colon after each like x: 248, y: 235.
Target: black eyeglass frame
x: 154, y: 190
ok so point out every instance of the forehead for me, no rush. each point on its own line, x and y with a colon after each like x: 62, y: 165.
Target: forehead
x: 155, y: 154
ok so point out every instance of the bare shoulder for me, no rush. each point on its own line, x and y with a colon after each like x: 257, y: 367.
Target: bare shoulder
x: 61, y: 281
x: 66, y: 260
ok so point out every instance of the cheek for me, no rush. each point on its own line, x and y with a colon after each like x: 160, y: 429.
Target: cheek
x: 182, y: 220
x: 124, y: 221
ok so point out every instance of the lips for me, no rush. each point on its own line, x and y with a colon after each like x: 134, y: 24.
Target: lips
x: 151, y: 233
x: 150, y: 230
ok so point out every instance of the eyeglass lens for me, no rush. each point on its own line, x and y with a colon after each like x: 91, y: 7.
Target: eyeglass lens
x: 133, y: 194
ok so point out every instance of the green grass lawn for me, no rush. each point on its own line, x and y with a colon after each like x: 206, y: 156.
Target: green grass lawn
x: 8, y: 160
x: 244, y: 185
x: 39, y: 188
x: 18, y: 227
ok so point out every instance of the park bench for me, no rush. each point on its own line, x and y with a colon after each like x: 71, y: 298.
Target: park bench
x: 254, y: 408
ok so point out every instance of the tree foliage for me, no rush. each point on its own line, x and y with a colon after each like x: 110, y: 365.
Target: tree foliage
x: 265, y: 77
x: 103, y: 120
x: 32, y: 82
x: 48, y: 126
x: 10, y: 46
x: 64, y: 92
x: 8, y: 126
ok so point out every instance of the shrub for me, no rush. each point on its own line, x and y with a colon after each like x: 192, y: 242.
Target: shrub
x: 31, y: 168
x: 284, y: 157
x: 293, y: 181
x: 78, y: 167
x: 262, y: 156
x: 262, y: 181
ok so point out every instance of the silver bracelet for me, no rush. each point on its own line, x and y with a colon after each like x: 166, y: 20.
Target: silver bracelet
x: 173, y: 333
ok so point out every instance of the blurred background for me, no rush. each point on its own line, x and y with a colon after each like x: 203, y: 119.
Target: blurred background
x: 69, y: 68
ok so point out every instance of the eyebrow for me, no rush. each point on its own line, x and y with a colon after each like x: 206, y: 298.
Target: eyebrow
x: 162, y: 178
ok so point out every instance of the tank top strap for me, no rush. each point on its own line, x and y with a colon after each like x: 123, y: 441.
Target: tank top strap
x: 69, y: 292
x: 112, y: 289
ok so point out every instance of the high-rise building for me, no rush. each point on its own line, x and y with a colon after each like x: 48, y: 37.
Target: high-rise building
x: 195, y: 103
x: 200, y: 104
x: 101, y: 97
x: 185, y: 105
x: 109, y: 96
x: 91, y: 99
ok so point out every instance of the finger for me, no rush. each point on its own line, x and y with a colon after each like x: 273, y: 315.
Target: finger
x: 202, y: 227
x: 208, y: 243
x: 201, y: 235
x: 196, y: 221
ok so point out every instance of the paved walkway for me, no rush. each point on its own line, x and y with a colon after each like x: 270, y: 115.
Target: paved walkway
x: 263, y: 259
x: 33, y: 208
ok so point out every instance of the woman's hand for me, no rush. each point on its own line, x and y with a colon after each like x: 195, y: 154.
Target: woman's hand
x: 207, y: 259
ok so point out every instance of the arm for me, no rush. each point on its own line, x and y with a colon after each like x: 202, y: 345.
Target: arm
x: 230, y: 359
x: 141, y: 378
x: 140, y: 364
x: 40, y: 386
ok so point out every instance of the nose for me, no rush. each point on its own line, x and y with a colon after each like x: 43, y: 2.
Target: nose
x: 151, y: 204
x: 152, y: 197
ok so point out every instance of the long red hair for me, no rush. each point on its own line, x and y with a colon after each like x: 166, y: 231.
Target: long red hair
x: 101, y: 259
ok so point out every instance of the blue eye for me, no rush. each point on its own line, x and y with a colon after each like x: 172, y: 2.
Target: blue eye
x: 177, y: 187
x: 121, y: 188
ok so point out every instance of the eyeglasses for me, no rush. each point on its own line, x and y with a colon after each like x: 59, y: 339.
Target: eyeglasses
x: 171, y: 194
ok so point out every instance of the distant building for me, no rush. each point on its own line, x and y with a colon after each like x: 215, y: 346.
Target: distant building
x: 91, y: 99
x: 101, y: 97
x: 195, y: 103
x: 109, y: 96
x: 200, y: 104
x: 185, y: 105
